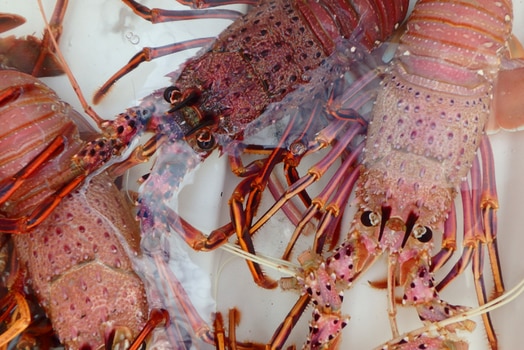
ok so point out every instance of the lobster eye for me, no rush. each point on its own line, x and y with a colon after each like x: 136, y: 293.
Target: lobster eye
x: 422, y: 233
x: 369, y: 218
x: 205, y: 140
x: 172, y: 94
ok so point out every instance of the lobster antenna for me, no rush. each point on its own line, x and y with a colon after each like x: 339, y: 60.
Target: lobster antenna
x: 280, y: 265
x: 219, y: 270
x: 436, y: 326
x: 74, y: 84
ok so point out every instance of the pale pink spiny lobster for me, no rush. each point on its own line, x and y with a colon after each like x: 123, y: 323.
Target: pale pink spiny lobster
x: 428, y: 123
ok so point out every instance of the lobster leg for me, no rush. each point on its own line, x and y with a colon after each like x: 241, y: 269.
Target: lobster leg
x: 489, y: 205
x: 230, y: 342
x: 156, y: 15
x: 200, y: 4
x: 314, y: 173
x: 242, y: 219
x: 345, y: 175
x: 148, y: 54
x: 342, y: 105
x: 9, y: 21
x: 14, y: 303
x: 290, y: 158
x: 31, y: 55
x: 156, y: 317
x: 421, y: 292
x: 281, y: 334
x: 477, y: 237
x: 449, y: 241
x: 10, y: 185
x: 46, y: 59
x: 252, y: 188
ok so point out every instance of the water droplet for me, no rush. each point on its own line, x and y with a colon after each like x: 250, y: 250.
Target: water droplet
x: 132, y: 38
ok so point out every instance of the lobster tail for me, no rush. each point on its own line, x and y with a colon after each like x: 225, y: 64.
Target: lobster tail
x: 465, y: 35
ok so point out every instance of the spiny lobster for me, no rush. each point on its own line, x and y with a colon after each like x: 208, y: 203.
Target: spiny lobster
x: 258, y: 60
x: 432, y: 110
x: 200, y: 112
x: 80, y: 261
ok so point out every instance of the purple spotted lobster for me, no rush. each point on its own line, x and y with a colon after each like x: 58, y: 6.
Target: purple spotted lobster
x: 428, y: 122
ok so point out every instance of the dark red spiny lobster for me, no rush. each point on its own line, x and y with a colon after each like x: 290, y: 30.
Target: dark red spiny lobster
x: 210, y: 108
x: 266, y: 54
x: 186, y: 104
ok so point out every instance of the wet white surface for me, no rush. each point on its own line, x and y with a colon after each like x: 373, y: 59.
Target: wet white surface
x: 100, y: 36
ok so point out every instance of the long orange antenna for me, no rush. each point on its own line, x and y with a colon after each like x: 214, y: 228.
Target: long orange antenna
x: 87, y: 108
